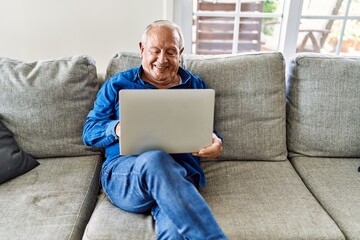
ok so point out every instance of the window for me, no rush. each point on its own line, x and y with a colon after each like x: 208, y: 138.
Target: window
x: 226, y: 26
x: 331, y: 28
x: 289, y: 26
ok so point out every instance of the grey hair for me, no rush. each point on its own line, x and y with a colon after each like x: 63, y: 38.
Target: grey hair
x: 164, y: 23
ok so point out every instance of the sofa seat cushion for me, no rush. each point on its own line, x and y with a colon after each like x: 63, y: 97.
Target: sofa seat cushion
x: 53, y: 201
x: 250, y: 100
x: 111, y: 223
x: 250, y: 199
x: 323, y: 106
x: 45, y: 104
x: 335, y: 182
x: 265, y: 200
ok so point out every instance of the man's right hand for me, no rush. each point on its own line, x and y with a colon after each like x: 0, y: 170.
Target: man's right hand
x: 117, y: 129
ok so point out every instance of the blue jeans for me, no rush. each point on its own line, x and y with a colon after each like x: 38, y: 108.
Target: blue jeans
x: 154, y: 182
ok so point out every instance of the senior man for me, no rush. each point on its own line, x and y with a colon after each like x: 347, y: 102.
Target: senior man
x: 154, y: 181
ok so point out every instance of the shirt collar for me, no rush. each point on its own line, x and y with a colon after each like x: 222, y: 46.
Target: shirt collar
x: 185, y: 76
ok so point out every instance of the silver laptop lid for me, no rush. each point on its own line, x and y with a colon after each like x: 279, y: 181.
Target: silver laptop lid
x: 175, y: 121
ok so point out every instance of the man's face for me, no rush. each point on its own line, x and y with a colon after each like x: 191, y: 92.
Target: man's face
x: 161, y: 54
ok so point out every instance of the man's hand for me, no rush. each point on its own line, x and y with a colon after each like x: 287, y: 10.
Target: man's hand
x: 117, y: 129
x: 212, y: 151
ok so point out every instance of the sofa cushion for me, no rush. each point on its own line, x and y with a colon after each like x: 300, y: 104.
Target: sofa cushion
x: 250, y: 100
x: 265, y: 200
x: 111, y: 223
x: 53, y: 201
x: 335, y: 182
x: 121, y: 62
x: 323, y: 112
x: 250, y: 200
x: 13, y: 161
x: 45, y: 103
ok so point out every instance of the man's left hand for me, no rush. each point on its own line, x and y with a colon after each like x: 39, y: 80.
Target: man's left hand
x: 212, y: 151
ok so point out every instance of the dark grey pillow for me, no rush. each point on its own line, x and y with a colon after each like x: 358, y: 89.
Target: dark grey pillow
x: 13, y: 161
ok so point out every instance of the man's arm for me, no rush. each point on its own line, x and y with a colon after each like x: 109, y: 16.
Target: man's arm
x: 99, y: 128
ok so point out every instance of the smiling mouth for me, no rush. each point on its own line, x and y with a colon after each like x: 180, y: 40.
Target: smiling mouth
x: 161, y: 68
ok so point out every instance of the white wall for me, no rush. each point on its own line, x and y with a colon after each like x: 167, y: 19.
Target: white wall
x: 33, y: 30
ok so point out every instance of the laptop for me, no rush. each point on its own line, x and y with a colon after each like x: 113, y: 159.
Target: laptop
x: 171, y: 120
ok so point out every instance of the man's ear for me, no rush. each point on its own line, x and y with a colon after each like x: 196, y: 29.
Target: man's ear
x: 141, y: 48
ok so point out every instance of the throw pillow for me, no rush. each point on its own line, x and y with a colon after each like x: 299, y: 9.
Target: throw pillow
x: 13, y: 161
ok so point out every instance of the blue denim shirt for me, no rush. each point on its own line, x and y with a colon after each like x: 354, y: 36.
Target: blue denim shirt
x: 99, y: 129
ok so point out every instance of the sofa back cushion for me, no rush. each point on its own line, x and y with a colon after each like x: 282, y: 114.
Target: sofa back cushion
x: 121, y: 62
x: 250, y: 100
x: 45, y: 104
x: 323, y: 110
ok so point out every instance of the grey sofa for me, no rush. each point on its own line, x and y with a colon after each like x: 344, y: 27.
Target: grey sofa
x: 289, y: 169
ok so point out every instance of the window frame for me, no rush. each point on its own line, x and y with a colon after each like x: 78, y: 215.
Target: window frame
x: 290, y: 28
